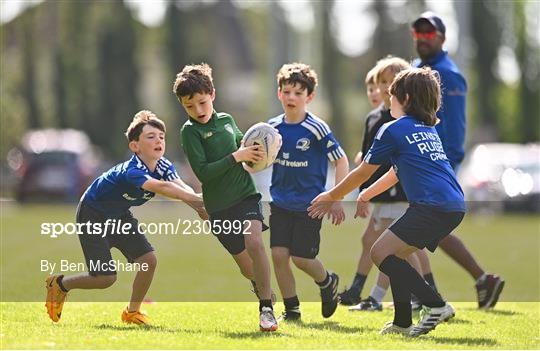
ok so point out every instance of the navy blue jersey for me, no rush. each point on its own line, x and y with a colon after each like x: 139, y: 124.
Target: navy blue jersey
x: 301, y: 166
x: 416, y: 153
x: 116, y: 190
x: 452, y: 111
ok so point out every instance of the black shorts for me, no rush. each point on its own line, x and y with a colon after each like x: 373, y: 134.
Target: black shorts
x: 228, y: 225
x: 296, y: 231
x: 97, y: 249
x: 424, y: 226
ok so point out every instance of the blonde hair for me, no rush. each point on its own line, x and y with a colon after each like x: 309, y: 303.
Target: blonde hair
x: 392, y: 63
x: 370, y: 76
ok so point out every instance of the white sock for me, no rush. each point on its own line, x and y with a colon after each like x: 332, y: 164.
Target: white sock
x: 377, y: 293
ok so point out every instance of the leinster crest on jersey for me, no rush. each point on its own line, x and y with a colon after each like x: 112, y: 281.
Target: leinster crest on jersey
x: 302, y: 144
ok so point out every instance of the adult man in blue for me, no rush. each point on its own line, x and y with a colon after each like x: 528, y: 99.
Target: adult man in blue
x: 429, y: 33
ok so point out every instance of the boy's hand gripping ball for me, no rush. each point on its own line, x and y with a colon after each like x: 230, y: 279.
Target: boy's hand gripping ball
x: 269, y: 141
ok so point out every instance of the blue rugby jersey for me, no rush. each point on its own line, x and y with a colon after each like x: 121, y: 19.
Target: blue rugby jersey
x: 116, y: 190
x: 300, y: 170
x: 452, y: 111
x: 417, y: 154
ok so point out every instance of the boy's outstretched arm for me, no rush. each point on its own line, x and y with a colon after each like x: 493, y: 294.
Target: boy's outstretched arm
x: 342, y: 168
x: 174, y: 191
x: 183, y: 185
x: 198, y: 206
x: 171, y: 190
x: 353, y: 180
x: 388, y: 180
x: 322, y: 203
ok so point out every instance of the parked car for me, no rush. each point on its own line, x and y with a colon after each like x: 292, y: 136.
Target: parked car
x: 502, y: 177
x: 53, y: 165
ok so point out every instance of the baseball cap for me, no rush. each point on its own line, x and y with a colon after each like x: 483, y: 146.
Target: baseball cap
x: 432, y: 18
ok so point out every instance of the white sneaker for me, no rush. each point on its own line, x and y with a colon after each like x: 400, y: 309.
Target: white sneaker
x: 267, y: 320
x: 448, y: 313
x: 430, y: 317
x: 391, y: 328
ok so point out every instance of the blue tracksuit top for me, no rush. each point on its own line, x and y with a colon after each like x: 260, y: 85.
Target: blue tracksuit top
x: 452, y: 112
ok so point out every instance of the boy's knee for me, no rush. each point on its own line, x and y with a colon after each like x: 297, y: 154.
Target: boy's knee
x: 280, y: 256
x: 300, y: 262
x: 376, y: 254
x: 151, y: 261
x: 254, y: 242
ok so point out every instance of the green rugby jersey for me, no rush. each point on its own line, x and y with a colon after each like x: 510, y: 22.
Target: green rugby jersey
x: 209, y: 149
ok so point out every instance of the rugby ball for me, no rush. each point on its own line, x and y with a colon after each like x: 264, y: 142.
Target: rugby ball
x: 269, y: 141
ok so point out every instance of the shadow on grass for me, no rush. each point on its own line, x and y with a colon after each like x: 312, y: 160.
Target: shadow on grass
x: 458, y: 321
x: 335, y: 327
x: 495, y: 312
x: 255, y: 335
x: 138, y: 328
x: 468, y: 341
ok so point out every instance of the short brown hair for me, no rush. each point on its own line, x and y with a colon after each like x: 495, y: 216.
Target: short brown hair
x: 141, y: 119
x: 194, y: 79
x: 297, y: 73
x: 392, y: 63
x: 419, y: 91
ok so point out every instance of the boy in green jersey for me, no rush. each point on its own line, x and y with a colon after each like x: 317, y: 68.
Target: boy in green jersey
x: 212, y: 144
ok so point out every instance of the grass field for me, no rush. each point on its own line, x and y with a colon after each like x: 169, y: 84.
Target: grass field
x: 234, y: 326
x: 202, y: 301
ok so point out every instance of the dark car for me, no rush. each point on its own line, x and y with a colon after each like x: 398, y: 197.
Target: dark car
x: 56, y: 165
x: 502, y: 177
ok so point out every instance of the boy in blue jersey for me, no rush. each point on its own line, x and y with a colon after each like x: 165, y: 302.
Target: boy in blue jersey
x: 108, y: 199
x: 429, y: 33
x: 388, y: 206
x: 412, y: 145
x: 299, y: 174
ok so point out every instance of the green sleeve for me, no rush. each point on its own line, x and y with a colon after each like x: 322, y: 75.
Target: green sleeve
x: 204, y: 170
x: 237, y: 132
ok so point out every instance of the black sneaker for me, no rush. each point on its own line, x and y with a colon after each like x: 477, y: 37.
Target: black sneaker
x: 369, y: 304
x: 290, y: 316
x: 329, y: 296
x: 349, y: 297
x: 488, y: 291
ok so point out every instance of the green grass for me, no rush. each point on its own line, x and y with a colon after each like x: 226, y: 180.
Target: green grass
x: 203, y: 302
x: 234, y: 326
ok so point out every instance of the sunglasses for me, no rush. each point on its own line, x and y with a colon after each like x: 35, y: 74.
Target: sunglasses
x: 424, y: 35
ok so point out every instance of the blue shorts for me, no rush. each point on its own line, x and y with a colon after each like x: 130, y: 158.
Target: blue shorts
x: 97, y: 249
x: 425, y: 226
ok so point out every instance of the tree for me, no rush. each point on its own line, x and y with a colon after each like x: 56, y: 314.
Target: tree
x: 527, y: 53
x: 117, y: 78
x: 332, y: 73
x: 29, y: 80
x: 486, y: 33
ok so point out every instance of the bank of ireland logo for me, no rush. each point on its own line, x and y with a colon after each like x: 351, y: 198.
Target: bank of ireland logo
x: 229, y: 128
x: 302, y: 144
